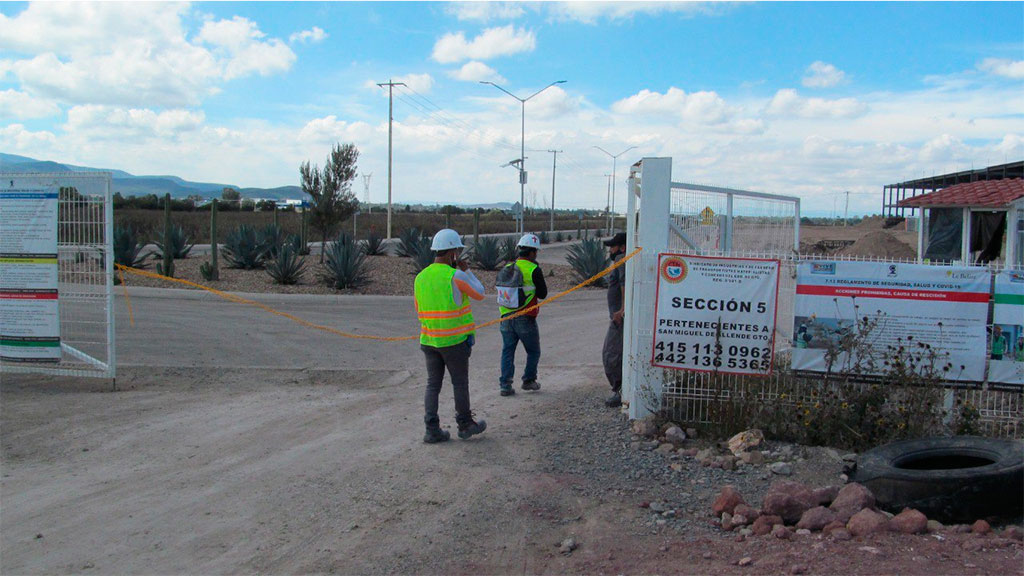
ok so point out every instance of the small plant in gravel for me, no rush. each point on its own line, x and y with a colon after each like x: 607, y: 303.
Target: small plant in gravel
x: 509, y: 250
x: 543, y: 237
x: 409, y: 241
x: 179, y: 243
x: 424, y: 257
x: 587, y: 257
x: 374, y: 245
x: 272, y: 237
x: 288, y: 267
x: 486, y: 254
x: 243, y: 248
x: 128, y: 247
x: 345, y: 266
x: 206, y: 271
x: 558, y: 237
x: 297, y: 245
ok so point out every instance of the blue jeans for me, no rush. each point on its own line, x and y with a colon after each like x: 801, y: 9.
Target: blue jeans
x: 522, y: 329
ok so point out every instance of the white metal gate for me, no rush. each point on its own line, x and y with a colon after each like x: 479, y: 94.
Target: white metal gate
x: 85, y: 263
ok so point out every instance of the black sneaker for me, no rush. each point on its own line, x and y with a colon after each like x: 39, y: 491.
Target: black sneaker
x: 508, y: 391
x: 531, y: 385
x: 435, y: 435
x: 472, y: 429
x: 614, y: 401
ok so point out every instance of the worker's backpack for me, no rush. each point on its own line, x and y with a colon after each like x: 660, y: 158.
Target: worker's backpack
x: 510, y: 287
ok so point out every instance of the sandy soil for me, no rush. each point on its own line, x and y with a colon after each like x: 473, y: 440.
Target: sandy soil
x: 238, y: 443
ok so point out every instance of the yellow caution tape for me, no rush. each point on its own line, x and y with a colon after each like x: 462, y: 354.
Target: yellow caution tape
x: 300, y: 321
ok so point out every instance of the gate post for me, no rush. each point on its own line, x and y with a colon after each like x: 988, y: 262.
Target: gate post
x: 648, y: 226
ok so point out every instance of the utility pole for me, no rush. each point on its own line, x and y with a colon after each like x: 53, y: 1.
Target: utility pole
x: 615, y: 158
x: 366, y: 191
x: 554, y: 158
x: 608, y: 204
x: 846, y: 213
x: 390, y: 86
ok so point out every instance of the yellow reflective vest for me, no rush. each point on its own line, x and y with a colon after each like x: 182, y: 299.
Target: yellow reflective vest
x: 443, y: 323
x: 529, y: 289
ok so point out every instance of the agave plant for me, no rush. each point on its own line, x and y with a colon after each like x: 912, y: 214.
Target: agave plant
x: 374, y: 245
x: 543, y: 237
x: 272, y: 238
x: 297, y: 245
x: 424, y: 256
x: 587, y: 257
x: 486, y: 254
x: 179, y: 244
x: 288, y: 267
x: 346, y: 263
x: 409, y: 241
x: 558, y: 237
x: 127, y: 247
x: 508, y: 250
x: 243, y: 248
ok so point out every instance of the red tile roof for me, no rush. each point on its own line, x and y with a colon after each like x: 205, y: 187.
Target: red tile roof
x: 984, y: 193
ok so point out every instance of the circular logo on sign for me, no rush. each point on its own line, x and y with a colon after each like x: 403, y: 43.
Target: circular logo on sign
x: 673, y: 270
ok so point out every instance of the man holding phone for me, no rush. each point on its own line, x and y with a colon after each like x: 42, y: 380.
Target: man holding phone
x: 447, y: 332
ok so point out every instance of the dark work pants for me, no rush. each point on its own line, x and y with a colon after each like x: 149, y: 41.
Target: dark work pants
x: 611, y: 355
x: 456, y: 360
x: 522, y: 329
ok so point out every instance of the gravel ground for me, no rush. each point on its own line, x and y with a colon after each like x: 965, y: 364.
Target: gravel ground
x: 388, y: 276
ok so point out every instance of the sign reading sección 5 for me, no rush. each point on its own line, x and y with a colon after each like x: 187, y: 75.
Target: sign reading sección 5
x: 715, y: 314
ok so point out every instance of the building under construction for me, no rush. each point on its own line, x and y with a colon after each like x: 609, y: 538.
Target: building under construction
x: 893, y: 194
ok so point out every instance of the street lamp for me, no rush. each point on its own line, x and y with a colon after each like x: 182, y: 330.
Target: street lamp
x: 522, y: 145
x: 614, y: 160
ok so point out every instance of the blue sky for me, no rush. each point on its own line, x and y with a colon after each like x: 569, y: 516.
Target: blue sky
x: 810, y: 99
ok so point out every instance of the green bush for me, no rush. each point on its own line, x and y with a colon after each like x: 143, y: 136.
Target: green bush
x: 374, y: 245
x: 128, y: 247
x: 244, y: 249
x: 508, y: 249
x: 206, y: 271
x: 587, y: 257
x: 424, y: 257
x: 179, y: 246
x: 346, y: 263
x: 294, y: 241
x: 543, y: 237
x: 288, y: 267
x: 558, y: 237
x: 272, y: 238
x: 409, y: 241
x: 486, y: 254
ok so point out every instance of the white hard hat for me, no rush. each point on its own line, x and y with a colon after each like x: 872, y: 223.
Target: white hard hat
x: 529, y: 241
x: 446, y: 239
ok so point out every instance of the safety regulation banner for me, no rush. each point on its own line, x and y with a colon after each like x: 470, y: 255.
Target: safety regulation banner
x: 29, y: 305
x: 1006, y: 341
x: 715, y: 314
x: 858, y: 317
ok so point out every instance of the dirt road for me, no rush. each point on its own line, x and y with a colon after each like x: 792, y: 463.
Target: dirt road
x: 238, y: 442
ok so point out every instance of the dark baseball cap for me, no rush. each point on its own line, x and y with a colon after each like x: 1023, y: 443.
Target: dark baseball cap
x: 617, y: 240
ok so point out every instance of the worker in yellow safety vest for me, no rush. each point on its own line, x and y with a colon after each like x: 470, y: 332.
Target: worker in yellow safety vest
x: 520, y: 285
x: 447, y: 332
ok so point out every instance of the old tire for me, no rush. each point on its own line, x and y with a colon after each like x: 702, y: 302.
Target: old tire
x: 953, y: 480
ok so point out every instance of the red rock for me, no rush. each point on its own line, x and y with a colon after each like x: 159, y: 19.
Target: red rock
x: 763, y: 524
x: 867, y: 521
x: 973, y: 545
x: 789, y: 500
x: 748, y: 512
x: 780, y: 532
x: 841, y: 534
x: 825, y: 496
x: 1014, y: 533
x: 739, y: 520
x: 798, y: 569
x: 836, y: 525
x: 981, y: 527
x: 727, y: 501
x: 851, y: 499
x: 816, y: 518
x: 909, y: 522
x: 644, y: 504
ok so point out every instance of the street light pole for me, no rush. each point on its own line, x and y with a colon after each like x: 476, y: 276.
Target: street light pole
x: 615, y: 158
x: 554, y: 160
x: 522, y: 147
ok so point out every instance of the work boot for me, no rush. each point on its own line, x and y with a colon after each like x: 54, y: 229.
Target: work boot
x: 472, y: 428
x: 435, y: 435
x: 507, y: 390
x: 614, y: 401
x: 531, y: 385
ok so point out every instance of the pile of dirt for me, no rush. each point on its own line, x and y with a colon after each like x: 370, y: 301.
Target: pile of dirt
x: 879, y: 244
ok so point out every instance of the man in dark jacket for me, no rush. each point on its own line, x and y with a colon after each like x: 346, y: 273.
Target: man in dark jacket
x: 611, y: 354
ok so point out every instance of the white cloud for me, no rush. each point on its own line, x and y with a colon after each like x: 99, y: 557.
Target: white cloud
x: 1013, y: 69
x: 106, y: 122
x: 421, y: 83
x: 822, y: 75
x: 313, y: 35
x: 132, y: 54
x: 592, y: 12
x: 22, y: 106
x: 491, y: 43
x: 787, y: 102
x: 485, y: 11
x: 474, y: 71
x: 16, y: 138
x: 702, y: 107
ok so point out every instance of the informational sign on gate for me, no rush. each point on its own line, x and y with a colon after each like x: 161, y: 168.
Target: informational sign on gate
x: 29, y: 306
x: 862, y: 317
x: 715, y: 314
x: 1006, y: 341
